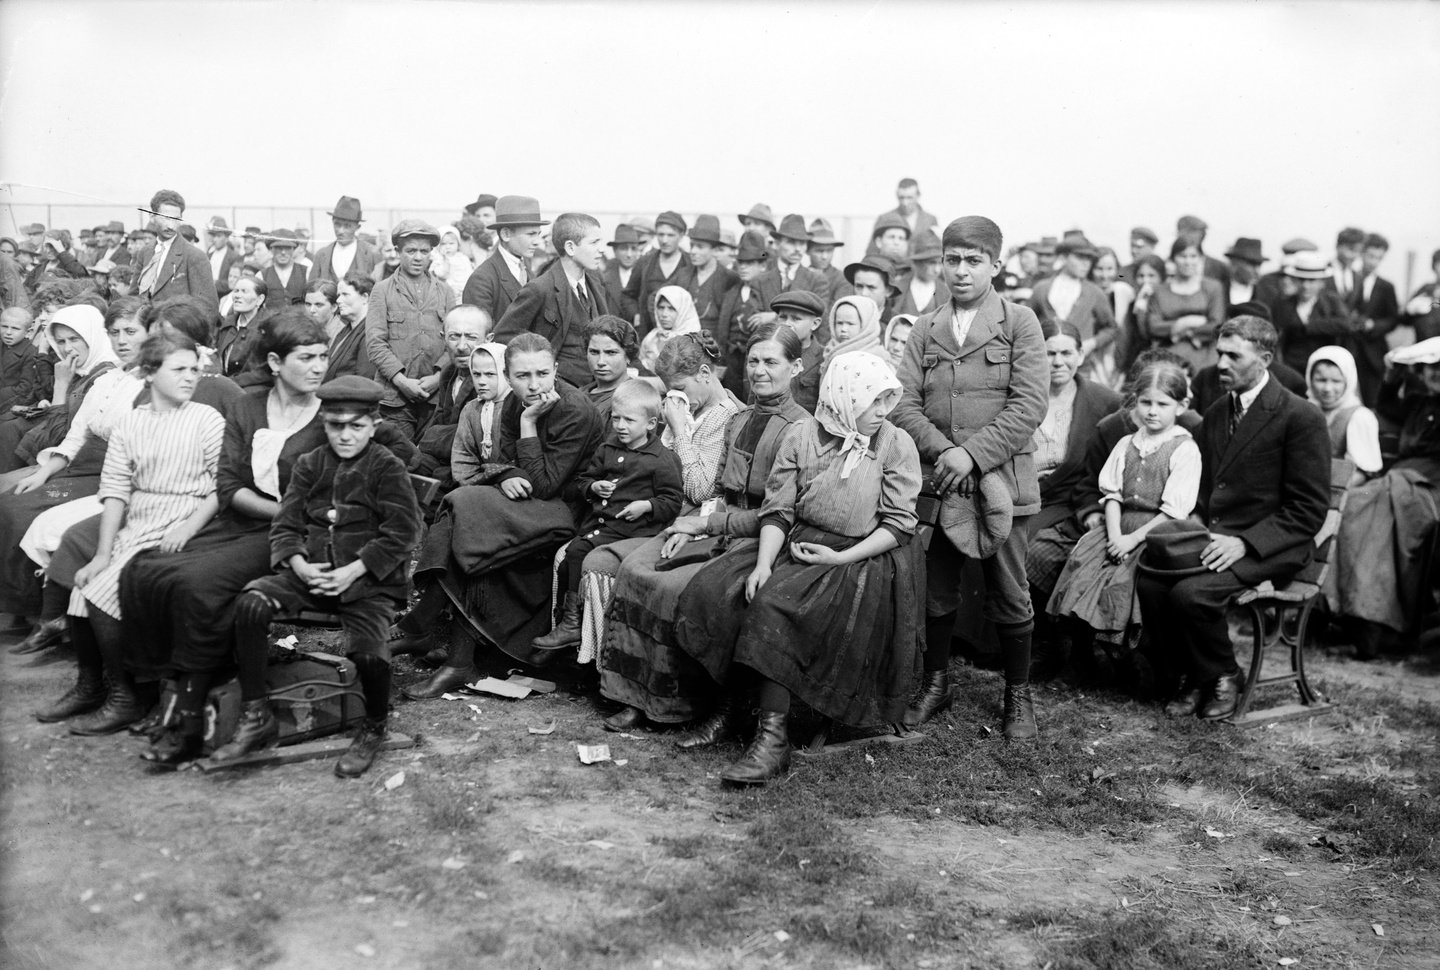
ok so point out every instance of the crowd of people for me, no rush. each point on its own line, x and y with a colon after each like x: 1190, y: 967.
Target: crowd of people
x: 725, y: 474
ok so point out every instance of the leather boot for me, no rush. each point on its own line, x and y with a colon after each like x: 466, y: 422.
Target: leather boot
x: 722, y: 725
x: 257, y: 729
x: 1019, y: 719
x: 402, y: 643
x: 178, y: 743
x: 1221, y: 698
x: 84, y: 696
x: 567, y: 631
x: 768, y: 755
x: 625, y: 719
x: 122, y: 707
x: 48, y: 634
x: 1186, y: 703
x: 934, y: 697
x: 358, y: 758
x: 441, y: 681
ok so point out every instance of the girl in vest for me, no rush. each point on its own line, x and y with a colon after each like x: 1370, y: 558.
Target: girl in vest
x: 1354, y: 430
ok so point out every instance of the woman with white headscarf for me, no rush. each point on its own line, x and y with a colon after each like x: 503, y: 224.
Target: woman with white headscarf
x: 674, y: 314
x: 475, y: 436
x: 1334, y: 383
x: 833, y: 615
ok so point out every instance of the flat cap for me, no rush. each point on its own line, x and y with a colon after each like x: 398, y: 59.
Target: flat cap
x: 802, y: 300
x: 414, y: 227
x: 351, y: 392
x: 672, y: 219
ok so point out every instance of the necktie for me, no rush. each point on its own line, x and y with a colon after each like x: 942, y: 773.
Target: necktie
x: 584, y: 299
x: 1236, y: 413
x: 152, y: 270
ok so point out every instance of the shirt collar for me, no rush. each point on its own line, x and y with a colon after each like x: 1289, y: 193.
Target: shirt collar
x: 511, y: 260
x: 1247, y: 398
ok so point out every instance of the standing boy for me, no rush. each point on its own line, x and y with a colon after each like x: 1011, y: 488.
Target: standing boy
x: 665, y: 266
x: 495, y: 282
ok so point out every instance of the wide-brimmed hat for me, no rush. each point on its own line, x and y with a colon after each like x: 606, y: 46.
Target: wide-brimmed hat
x: 625, y: 235
x: 1425, y: 352
x: 793, y: 227
x: 822, y: 235
x: 1308, y: 266
x: 348, y: 208
x: 888, y: 221
x: 752, y: 247
x: 1174, y: 549
x: 802, y: 300
x: 760, y: 212
x: 707, y: 229
x: 1247, y: 250
x: 482, y: 201
x: 103, y: 267
x: 218, y: 225
x: 517, y: 212
x: 417, y: 227
x: 978, y: 524
x: 672, y: 219
x: 878, y: 263
x: 115, y: 226
x: 1077, y: 246
x: 282, y: 237
x: 925, y: 247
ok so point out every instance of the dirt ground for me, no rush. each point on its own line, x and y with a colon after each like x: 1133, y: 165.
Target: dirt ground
x: 1122, y: 840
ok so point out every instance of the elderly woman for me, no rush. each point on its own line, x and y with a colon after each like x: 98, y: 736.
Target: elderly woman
x: 240, y: 328
x: 834, y: 611
x: 488, y: 555
x: 640, y: 664
x: 1186, y: 310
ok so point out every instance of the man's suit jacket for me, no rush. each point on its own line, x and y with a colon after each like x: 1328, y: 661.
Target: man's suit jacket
x: 185, y: 272
x: 1331, y: 322
x: 437, y: 434
x: 734, y: 311
x: 710, y: 301
x: 623, y: 307
x: 906, y: 302
x: 367, y: 257
x: 547, y: 305
x: 647, y: 278
x: 1269, y: 484
x: 348, y: 354
x: 1370, y: 346
x: 280, y: 295
x: 222, y: 281
x: 1205, y: 387
x: 491, y: 287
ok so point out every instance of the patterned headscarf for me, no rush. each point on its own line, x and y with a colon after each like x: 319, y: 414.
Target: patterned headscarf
x: 851, y: 384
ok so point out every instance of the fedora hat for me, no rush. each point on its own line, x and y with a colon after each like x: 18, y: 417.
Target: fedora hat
x: 1045, y: 247
x: 414, y: 227
x: 1174, y: 548
x: 822, y: 235
x: 793, y: 227
x: 889, y: 221
x: 672, y: 219
x: 217, y: 225
x: 879, y: 264
x: 977, y: 525
x: 517, y: 212
x: 482, y: 201
x: 33, y: 229
x: 926, y: 246
x: 707, y: 229
x: 761, y: 213
x: 1077, y: 246
x: 348, y: 208
x: 1191, y: 224
x: 115, y: 226
x: 1247, y: 250
x: 752, y: 247
x: 625, y: 235
x: 727, y: 238
x: 1308, y: 266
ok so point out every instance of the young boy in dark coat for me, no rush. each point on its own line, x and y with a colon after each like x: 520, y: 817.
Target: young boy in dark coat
x: 25, y: 374
x: 341, y: 542
x: 634, y: 487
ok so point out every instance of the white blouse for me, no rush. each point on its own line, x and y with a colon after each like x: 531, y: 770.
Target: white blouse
x: 105, y: 405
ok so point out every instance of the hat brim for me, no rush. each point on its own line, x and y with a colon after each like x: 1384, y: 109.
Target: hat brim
x: 1178, y: 573
x: 1295, y: 274
x: 705, y: 237
x: 753, y: 218
x: 359, y: 217
x: 517, y: 224
x: 823, y: 241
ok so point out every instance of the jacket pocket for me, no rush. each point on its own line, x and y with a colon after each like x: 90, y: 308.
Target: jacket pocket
x: 997, y: 367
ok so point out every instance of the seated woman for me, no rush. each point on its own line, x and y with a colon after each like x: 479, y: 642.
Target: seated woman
x: 1186, y: 310
x: 640, y: 664
x: 897, y: 335
x: 674, y: 315
x: 854, y: 327
x: 1334, y: 383
x: 239, y: 330
x: 1378, y: 575
x: 834, y: 612
x: 158, y: 487
x: 497, y: 577
x: 611, y: 349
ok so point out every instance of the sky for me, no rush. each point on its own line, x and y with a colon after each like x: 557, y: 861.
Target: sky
x: 1269, y: 119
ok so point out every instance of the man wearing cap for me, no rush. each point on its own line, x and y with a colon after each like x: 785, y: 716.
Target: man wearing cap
x: 347, y: 254
x: 172, y: 266
x: 1142, y: 243
x: 873, y: 277
x: 821, y: 253
x: 222, y: 255
x: 497, y: 281
x: 923, y: 294
x: 712, y: 281
x: 1274, y: 286
x: 891, y: 239
x: 405, y: 327
x: 253, y: 248
x: 35, y: 234
x: 1245, y: 262
x: 284, y: 280
x: 1314, y: 316
x: 746, y: 304
x: 803, y: 311
x: 976, y: 386
x: 644, y: 231
x: 114, y: 248
x: 560, y: 303
x: 626, y: 247
x: 666, y: 265
x: 1264, y: 493
x: 1195, y: 228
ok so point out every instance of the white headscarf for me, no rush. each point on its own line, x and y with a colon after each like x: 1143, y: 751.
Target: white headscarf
x: 686, y: 321
x: 487, y: 408
x: 853, y: 382
x: 89, y: 323
x: 1344, y: 360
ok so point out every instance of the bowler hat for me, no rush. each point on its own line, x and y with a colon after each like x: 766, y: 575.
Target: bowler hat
x: 348, y: 208
x: 752, y: 247
x: 822, y: 235
x: 416, y: 227
x: 625, y: 235
x: 87, y: 233
x: 802, y: 300
x: 350, y: 393
x: 1308, y: 266
x: 1145, y: 233
x: 707, y: 229
x: 793, y: 227
x: 482, y: 201
x: 1247, y: 250
x: 135, y: 234
x: 282, y: 237
x: 1077, y: 246
x: 1173, y: 549
x: 760, y: 212
x: 1298, y: 245
x: 115, y: 226
x: 978, y: 524
x: 516, y: 212
x: 925, y: 247
x: 1252, y: 308
x: 672, y: 219
x: 890, y: 221
x: 642, y: 225
x: 217, y: 225
x: 1045, y: 247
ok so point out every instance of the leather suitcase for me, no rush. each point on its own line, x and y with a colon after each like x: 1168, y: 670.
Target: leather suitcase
x: 312, y: 695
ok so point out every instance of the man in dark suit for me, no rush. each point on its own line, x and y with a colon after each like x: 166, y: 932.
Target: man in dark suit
x: 347, y: 255
x: 1205, y: 388
x: 559, y: 304
x: 284, y: 279
x: 221, y: 254
x: 789, y: 273
x: 171, y: 266
x: 1345, y: 271
x: 916, y: 219
x: 664, y: 266
x: 497, y: 281
x: 1377, y: 310
x: 626, y: 247
x: 114, y: 248
x: 821, y: 250
x: 1264, y: 492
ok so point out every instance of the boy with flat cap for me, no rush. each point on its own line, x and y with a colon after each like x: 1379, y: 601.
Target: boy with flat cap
x: 664, y: 266
x: 975, y: 381
x: 802, y: 311
x: 340, y: 543
x: 518, y: 230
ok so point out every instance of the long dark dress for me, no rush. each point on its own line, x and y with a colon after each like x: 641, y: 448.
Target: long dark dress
x: 640, y: 664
